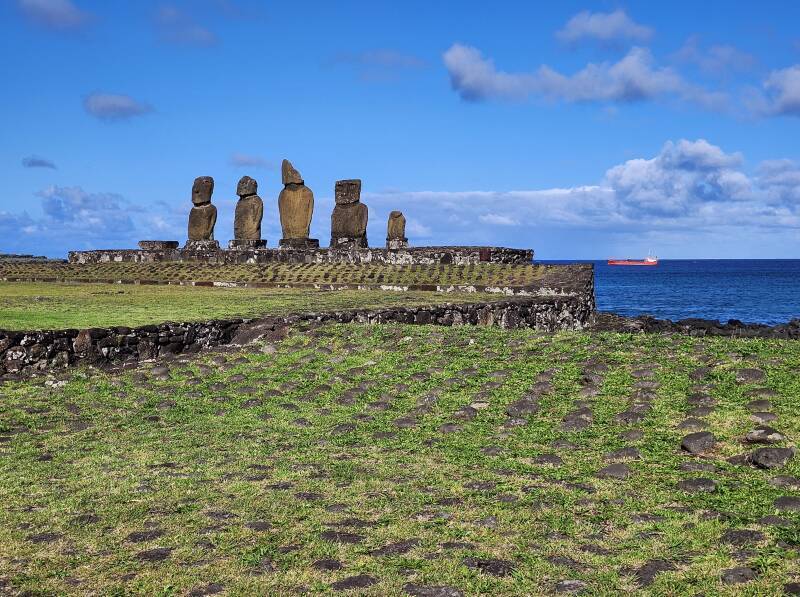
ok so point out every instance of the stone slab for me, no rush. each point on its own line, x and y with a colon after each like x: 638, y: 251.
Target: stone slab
x: 237, y: 244
x: 157, y: 245
x: 299, y: 243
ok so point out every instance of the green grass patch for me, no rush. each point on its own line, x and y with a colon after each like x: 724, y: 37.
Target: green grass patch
x: 32, y: 306
x: 238, y: 463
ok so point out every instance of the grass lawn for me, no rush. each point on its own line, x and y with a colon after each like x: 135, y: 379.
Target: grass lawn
x: 31, y: 306
x: 485, y: 274
x: 389, y: 459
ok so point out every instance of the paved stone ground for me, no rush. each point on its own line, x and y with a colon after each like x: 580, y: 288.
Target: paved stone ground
x: 399, y: 460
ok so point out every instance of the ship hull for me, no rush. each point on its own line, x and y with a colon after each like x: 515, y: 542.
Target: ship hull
x: 632, y: 262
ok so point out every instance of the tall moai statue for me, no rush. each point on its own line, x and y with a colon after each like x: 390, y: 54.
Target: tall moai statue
x: 248, y: 215
x: 296, y: 206
x: 396, y: 231
x: 349, y: 217
x: 203, y: 216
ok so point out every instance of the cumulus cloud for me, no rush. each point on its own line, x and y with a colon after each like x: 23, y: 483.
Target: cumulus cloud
x: 35, y: 161
x: 74, y: 218
x: 635, y: 77
x: 716, y: 59
x: 179, y: 27
x: 781, y: 93
x: 54, y: 14
x: 688, y: 188
x: 113, y: 107
x: 104, y: 213
x: 498, y: 219
x: 243, y: 160
x: 603, y: 27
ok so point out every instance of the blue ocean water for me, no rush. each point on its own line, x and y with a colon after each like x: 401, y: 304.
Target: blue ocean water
x: 750, y: 290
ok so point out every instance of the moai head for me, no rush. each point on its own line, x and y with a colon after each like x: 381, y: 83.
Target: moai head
x: 202, y: 189
x: 289, y: 174
x: 247, y: 186
x: 348, y: 191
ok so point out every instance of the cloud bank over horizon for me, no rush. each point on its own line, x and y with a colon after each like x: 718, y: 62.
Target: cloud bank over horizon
x: 689, y: 187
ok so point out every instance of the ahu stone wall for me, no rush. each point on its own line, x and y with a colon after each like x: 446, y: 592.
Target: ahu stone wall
x: 403, y: 256
x: 28, y: 353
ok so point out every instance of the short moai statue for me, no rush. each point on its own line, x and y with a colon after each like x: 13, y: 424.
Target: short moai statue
x: 248, y: 215
x: 203, y: 216
x: 349, y: 217
x: 296, y: 206
x: 396, y: 231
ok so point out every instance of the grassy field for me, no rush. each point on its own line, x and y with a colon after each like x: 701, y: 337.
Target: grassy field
x: 393, y: 459
x: 484, y: 274
x: 30, y: 306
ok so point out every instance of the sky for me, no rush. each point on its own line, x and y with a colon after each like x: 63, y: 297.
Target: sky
x: 582, y: 130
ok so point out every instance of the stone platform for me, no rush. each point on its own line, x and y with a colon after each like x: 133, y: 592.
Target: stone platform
x: 403, y: 256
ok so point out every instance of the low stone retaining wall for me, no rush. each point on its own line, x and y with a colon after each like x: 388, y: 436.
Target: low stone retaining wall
x: 407, y: 256
x: 26, y: 353
x: 611, y: 322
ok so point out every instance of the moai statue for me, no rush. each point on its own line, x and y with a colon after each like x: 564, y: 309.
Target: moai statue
x: 203, y: 215
x: 396, y: 231
x: 247, y: 219
x: 349, y: 217
x: 296, y: 206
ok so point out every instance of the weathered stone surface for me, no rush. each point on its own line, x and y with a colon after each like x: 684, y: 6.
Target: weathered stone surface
x: 396, y: 231
x: 734, y: 576
x: 349, y: 217
x: 698, y: 443
x: 289, y: 175
x: 201, y: 222
x: 764, y: 434
x: 245, y: 245
x: 396, y: 227
x: 246, y: 186
x: 311, y: 253
x: 349, y: 225
x: 771, y: 457
x: 295, y: 203
x: 249, y: 211
x: 157, y: 245
x: 202, y: 189
x: 347, y: 191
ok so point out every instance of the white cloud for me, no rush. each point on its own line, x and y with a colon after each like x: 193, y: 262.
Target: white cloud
x: 633, y: 78
x: 498, y: 219
x: 604, y: 27
x: 716, y: 59
x: 688, y: 188
x: 54, y: 14
x: 113, y: 107
x: 781, y: 96
x: 243, y: 160
x: 35, y: 161
x: 179, y: 27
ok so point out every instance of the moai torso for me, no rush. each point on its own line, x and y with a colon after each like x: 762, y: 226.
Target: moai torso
x: 249, y: 211
x: 350, y: 216
x: 295, y: 203
x: 396, y: 227
x: 203, y: 216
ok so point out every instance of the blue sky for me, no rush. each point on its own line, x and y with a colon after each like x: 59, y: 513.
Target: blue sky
x: 579, y: 129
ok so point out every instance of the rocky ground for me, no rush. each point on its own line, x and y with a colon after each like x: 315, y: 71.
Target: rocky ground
x: 411, y: 460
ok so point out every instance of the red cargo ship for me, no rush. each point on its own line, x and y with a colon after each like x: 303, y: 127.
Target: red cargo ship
x: 649, y: 260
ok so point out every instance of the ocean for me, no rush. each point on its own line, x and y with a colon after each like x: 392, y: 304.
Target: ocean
x: 750, y: 290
